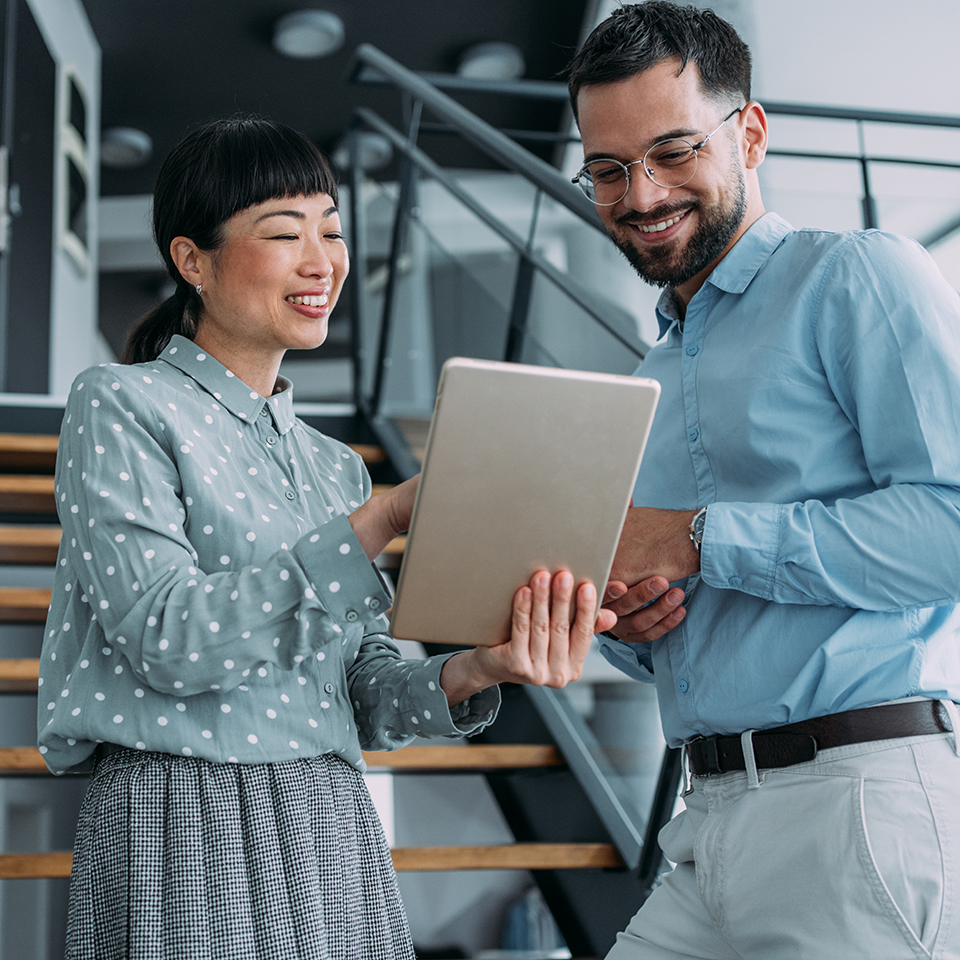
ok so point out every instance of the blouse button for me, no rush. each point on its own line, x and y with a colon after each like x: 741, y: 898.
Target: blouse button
x: 271, y: 441
x: 351, y: 616
x: 290, y: 495
x: 328, y: 688
x: 374, y: 604
x: 264, y: 412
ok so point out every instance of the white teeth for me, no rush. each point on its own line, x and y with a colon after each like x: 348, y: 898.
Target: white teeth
x: 320, y: 301
x: 657, y: 227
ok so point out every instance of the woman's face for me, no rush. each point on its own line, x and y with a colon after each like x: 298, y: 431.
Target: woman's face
x: 272, y: 284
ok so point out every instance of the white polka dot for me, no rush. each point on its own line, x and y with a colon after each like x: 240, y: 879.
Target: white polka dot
x: 138, y: 692
x: 266, y: 607
x: 214, y: 627
x: 206, y: 734
x: 431, y: 686
x: 324, y: 704
x: 272, y: 714
x: 334, y: 587
x: 182, y: 707
x: 313, y: 723
x: 252, y: 737
x: 229, y: 664
x: 344, y: 548
x: 251, y: 536
x: 427, y: 714
x: 225, y: 707
x: 150, y: 554
x: 118, y: 718
x: 162, y: 721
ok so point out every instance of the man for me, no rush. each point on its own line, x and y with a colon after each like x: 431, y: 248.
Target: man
x: 801, y: 491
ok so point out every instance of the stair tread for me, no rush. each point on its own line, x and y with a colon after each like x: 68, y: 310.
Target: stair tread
x: 34, y: 451
x: 514, y: 856
x: 28, y: 760
x: 29, y: 544
x: 19, y: 676
x: 24, y: 604
x: 27, y: 493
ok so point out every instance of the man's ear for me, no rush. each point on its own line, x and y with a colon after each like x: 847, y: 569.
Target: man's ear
x: 189, y: 259
x: 753, y: 122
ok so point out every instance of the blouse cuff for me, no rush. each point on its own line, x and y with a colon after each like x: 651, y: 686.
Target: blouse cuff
x: 438, y: 718
x: 345, y: 581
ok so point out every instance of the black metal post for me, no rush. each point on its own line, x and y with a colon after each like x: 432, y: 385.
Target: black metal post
x: 522, y: 292
x: 661, y: 810
x: 408, y: 183
x: 358, y: 267
x: 868, y: 204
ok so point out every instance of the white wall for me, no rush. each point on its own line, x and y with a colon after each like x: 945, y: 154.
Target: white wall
x: 75, y: 341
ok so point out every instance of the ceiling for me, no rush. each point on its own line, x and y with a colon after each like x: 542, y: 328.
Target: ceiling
x: 169, y: 66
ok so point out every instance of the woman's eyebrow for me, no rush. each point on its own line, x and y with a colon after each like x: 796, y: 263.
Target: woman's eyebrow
x: 296, y: 214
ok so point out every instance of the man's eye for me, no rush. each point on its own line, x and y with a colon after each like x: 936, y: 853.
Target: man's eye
x: 606, y: 174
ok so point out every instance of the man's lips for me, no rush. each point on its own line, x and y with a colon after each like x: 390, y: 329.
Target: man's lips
x: 662, y: 225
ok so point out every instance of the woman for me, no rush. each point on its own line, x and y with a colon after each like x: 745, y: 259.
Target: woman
x: 217, y: 627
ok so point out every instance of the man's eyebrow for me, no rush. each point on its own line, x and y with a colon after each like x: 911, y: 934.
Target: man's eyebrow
x: 679, y: 133
x: 296, y: 214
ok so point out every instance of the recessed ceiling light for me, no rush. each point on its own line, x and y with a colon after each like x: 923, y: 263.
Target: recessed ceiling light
x: 374, y: 151
x: 492, y: 61
x: 306, y: 34
x: 125, y: 147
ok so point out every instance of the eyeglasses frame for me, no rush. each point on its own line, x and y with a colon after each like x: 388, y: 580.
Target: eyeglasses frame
x: 695, y: 147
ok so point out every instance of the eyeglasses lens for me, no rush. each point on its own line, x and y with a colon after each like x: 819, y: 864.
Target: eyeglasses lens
x: 668, y: 164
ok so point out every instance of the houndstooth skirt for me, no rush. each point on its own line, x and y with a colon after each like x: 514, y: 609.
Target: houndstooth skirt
x: 177, y: 857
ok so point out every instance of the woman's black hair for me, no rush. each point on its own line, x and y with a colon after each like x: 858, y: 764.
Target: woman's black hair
x: 640, y: 35
x: 214, y: 172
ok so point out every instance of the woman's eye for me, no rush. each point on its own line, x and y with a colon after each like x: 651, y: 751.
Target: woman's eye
x: 286, y: 236
x: 334, y: 236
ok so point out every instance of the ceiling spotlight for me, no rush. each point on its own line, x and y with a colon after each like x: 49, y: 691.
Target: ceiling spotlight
x: 374, y: 151
x: 492, y: 61
x: 307, y: 34
x: 124, y: 147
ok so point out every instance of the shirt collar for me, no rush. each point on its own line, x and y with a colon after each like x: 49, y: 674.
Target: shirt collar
x: 735, y: 271
x: 226, y: 387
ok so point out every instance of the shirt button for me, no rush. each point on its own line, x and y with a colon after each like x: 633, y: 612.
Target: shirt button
x: 683, y: 686
x: 693, y: 434
x: 290, y: 495
x: 264, y: 412
x: 271, y: 441
x: 328, y: 688
x: 736, y: 581
x: 351, y: 616
x: 374, y: 604
x: 692, y: 350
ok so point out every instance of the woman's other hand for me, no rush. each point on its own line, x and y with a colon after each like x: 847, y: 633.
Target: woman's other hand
x: 376, y: 522
x: 544, y: 647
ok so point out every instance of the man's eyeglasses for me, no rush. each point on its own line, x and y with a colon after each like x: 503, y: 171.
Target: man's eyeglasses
x: 669, y: 163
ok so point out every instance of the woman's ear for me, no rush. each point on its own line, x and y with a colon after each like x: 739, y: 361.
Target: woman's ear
x: 188, y: 258
x: 754, y: 121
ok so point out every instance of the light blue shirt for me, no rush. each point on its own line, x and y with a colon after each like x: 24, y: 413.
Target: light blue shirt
x: 812, y: 403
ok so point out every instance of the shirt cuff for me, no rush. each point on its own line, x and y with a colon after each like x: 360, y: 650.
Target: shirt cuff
x: 347, y: 585
x: 437, y: 718
x: 740, y: 546
x: 633, y: 659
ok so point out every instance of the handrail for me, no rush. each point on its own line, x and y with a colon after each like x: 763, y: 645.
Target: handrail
x: 481, y: 134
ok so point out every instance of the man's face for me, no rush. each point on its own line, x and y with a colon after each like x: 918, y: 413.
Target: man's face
x: 672, y: 236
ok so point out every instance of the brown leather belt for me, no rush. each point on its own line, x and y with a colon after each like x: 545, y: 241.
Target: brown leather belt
x: 799, y: 742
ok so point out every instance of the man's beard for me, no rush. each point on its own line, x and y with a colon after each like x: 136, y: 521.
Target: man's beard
x: 669, y: 266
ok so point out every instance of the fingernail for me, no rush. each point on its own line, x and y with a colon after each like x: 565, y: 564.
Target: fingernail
x: 674, y: 596
x: 564, y: 580
x: 658, y: 585
x: 589, y: 592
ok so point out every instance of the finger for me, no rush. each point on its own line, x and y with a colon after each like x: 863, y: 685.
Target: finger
x: 520, y: 623
x: 656, y: 620
x: 561, y: 597
x: 540, y: 617
x: 606, y: 621
x: 638, y: 596
x: 615, y: 590
x: 584, y: 627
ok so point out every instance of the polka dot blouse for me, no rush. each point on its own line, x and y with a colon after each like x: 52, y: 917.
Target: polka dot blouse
x: 210, y: 598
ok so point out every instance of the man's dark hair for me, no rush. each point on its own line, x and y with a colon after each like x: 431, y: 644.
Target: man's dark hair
x: 641, y: 35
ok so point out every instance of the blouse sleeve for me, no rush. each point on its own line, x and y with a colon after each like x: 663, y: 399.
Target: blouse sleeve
x: 184, y: 630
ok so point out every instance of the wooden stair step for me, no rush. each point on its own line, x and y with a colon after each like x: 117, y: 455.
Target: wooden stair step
x: 27, y: 493
x: 472, y: 759
x: 24, y: 604
x: 513, y: 856
x: 35, y: 545
x: 476, y: 757
x: 18, y: 676
x: 28, y: 451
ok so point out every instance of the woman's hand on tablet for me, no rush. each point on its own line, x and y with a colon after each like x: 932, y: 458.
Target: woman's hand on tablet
x: 377, y: 521
x: 544, y: 648
x: 645, y: 611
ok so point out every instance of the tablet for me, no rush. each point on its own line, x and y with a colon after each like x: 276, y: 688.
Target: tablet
x: 525, y: 468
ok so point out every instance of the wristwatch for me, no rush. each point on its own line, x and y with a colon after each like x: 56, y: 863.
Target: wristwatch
x: 696, y: 527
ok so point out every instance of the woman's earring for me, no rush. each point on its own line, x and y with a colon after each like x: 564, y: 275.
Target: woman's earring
x: 199, y: 289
